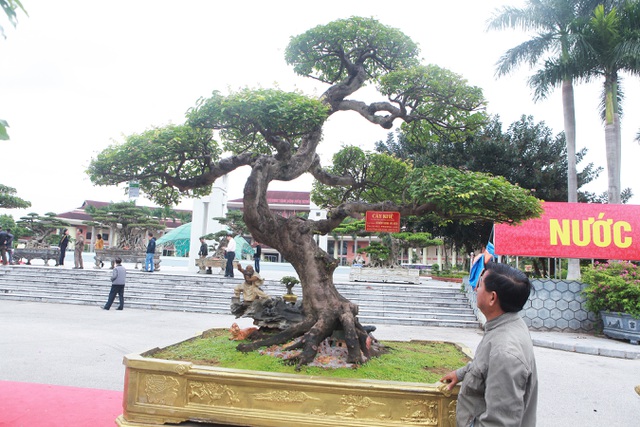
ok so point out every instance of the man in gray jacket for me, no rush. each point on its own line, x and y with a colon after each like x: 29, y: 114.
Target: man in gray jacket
x: 118, y: 276
x: 500, y: 385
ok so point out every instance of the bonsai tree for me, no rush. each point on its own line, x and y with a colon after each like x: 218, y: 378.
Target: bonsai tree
x: 387, y: 252
x: 234, y: 222
x: 41, y: 228
x: 379, y: 254
x: 128, y: 221
x: 289, y: 282
x: 278, y: 135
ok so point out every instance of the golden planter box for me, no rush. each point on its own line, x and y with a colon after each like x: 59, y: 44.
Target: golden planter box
x: 161, y: 391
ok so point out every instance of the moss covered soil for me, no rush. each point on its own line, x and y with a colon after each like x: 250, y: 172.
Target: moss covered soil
x: 406, y: 361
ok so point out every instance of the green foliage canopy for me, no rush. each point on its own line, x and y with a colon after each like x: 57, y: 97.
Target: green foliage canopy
x: 277, y: 133
x: 442, y: 193
x: 8, y: 199
x: 154, y: 157
x: 251, y: 119
x: 330, y: 52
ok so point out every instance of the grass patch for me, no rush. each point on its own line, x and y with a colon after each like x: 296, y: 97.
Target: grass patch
x: 412, y: 361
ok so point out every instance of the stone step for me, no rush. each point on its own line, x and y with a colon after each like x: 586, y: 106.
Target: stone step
x: 188, y: 283
x: 417, y: 322
x: 221, y: 305
x: 207, y: 297
x: 212, y: 290
x: 386, y: 303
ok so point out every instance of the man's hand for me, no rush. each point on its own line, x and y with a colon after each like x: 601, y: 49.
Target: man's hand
x: 451, y: 378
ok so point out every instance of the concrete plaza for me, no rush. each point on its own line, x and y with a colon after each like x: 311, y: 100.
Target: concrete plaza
x: 83, y: 346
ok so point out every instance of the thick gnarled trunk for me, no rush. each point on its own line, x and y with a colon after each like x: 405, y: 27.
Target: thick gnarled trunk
x: 325, y: 310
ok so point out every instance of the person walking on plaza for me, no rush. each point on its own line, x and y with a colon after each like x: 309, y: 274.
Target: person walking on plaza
x: 77, y: 253
x: 256, y: 257
x: 64, y: 242
x: 500, y: 385
x: 118, y: 276
x: 151, y: 251
x: 230, y: 255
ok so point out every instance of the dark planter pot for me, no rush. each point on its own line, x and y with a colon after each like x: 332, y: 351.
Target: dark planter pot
x: 621, y: 326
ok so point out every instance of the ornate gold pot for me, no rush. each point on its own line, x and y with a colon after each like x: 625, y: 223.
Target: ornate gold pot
x: 162, y: 391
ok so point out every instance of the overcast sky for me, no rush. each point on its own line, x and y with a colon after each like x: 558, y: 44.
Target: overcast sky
x: 77, y: 76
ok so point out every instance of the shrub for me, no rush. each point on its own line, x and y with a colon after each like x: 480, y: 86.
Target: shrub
x: 613, y: 286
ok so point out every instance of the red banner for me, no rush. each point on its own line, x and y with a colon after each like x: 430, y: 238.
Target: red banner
x: 380, y: 221
x: 575, y: 230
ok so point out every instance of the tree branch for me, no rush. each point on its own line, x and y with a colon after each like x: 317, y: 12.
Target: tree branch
x: 216, y: 170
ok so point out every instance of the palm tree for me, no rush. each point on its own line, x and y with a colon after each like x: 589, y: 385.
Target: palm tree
x: 552, y: 21
x: 611, y: 45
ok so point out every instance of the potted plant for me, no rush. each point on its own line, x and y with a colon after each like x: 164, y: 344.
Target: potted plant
x: 614, y: 294
x: 289, y: 282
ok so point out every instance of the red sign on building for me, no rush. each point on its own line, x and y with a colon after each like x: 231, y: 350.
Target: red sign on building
x: 379, y: 221
x: 575, y: 230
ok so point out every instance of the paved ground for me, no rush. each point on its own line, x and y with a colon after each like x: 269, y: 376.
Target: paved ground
x: 83, y: 346
x: 584, y: 380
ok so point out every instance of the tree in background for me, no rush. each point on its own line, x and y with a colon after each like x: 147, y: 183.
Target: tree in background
x: 128, y: 222
x: 392, y: 243
x: 606, y: 43
x: 41, y: 229
x: 553, y: 42
x: 552, y: 22
x: 234, y: 221
x: 611, y: 45
x: 10, y: 7
x: 526, y: 153
x: 7, y: 222
x: 277, y: 135
x: 9, y: 200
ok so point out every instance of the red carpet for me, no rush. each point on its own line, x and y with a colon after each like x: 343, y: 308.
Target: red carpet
x: 43, y: 405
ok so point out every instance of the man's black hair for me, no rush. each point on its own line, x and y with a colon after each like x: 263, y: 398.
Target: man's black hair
x: 510, y: 284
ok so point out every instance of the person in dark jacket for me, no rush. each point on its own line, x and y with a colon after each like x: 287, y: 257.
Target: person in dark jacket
x: 256, y: 257
x: 4, y: 236
x: 151, y: 250
x: 64, y: 242
x: 203, y: 252
x: 118, y: 276
x: 9, y: 245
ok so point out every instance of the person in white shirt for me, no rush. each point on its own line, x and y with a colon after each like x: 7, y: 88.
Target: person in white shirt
x: 230, y: 255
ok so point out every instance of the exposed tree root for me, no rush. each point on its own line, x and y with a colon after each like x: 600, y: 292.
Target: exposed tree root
x: 314, y: 331
x: 280, y: 338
